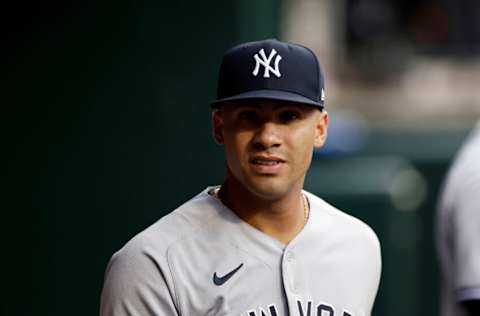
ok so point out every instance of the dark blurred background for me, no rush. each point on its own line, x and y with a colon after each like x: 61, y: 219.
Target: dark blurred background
x: 106, y: 127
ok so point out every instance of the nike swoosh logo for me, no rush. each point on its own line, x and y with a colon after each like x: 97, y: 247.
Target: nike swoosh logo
x: 220, y: 280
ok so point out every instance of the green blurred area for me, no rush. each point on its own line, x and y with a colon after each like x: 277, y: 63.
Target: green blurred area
x: 106, y: 129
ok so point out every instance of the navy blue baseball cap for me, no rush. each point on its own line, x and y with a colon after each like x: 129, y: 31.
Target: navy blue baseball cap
x: 270, y: 69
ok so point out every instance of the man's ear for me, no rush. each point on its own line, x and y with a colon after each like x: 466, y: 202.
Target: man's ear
x: 321, y: 128
x: 217, y: 126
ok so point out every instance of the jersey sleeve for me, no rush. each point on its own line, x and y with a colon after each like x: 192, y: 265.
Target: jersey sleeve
x: 466, y: 240
x: 136, y: 285
x: 375, y: 263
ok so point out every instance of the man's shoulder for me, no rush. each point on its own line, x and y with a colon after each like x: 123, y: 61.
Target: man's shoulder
x: 184, y: 222
x: 336, y: 222
x: 343, y: 239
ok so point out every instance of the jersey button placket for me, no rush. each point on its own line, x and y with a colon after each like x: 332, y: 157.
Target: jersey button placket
x: 289, y: 281
x: 289, y: 272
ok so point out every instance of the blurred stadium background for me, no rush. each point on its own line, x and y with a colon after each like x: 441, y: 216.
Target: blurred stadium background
x: 106, y: 128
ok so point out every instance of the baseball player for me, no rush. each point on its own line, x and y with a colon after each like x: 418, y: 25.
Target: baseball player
x: 258, y: 245
x: 458, y: 232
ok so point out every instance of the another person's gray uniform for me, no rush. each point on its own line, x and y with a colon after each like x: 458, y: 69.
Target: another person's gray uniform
x: 458, y: 230
x: 202, y: 259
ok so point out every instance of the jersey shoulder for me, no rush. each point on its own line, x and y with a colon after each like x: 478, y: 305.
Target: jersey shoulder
x: 184, y: 222
x: 347, y: 242
x: 141, y: 268
x: 329, y: 219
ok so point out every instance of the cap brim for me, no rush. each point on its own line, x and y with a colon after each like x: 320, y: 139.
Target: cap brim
x: 268, y: 94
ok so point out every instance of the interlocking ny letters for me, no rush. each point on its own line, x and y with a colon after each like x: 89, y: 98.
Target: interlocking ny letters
x: 265, y: 62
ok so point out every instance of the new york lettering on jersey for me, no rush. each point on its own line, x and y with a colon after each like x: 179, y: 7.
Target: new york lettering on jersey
x: 305, y: 308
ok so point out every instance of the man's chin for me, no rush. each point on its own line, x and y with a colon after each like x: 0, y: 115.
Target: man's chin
x: 269, y: 190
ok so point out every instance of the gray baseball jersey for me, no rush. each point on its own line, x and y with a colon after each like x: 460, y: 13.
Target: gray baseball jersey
x: 458, y: 229
x: 202, y: 259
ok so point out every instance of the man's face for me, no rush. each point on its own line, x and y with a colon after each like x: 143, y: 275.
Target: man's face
x: 269, y: 144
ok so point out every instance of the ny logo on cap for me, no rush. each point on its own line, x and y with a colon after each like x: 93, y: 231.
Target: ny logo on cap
x: 265, y: 62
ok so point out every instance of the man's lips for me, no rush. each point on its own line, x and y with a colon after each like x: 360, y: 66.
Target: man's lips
x: 267, y: 164
x: 266, y: 160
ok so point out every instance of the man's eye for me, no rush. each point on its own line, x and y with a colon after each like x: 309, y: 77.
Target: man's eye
x: 288, y: 116
x: 249, y: 116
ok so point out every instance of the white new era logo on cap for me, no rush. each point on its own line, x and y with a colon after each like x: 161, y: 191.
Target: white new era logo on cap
x: 265, y: 62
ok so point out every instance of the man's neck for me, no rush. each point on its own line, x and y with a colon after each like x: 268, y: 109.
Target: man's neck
x: 281, y: 219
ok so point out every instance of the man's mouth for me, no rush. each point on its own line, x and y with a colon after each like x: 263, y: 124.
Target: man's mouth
x: 266, y: 162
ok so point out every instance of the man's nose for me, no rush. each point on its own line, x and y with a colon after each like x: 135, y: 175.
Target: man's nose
x: 267, y: 136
